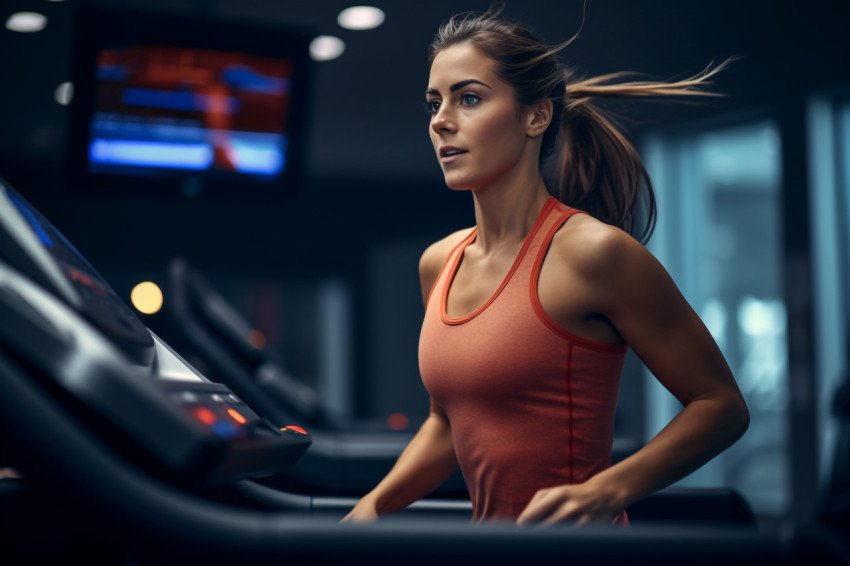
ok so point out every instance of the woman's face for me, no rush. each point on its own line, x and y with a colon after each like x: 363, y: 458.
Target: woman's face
x: 477, y: 127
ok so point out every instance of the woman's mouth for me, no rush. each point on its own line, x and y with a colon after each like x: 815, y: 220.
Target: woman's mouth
x: 449, y: 154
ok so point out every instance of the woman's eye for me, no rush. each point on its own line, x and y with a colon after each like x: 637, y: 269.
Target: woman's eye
x: 468, y: 99
x: 431, y: 106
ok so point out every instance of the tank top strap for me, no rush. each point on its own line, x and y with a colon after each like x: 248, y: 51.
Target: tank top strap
x: 556, y: 215
x: 449, y: 265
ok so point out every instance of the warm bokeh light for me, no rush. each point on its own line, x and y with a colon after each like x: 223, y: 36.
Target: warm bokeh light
x: 26, y: 22
x: 146, y: 297
x: 397, y: 421
x: 257, y: 339
x: 326, y: 47
x: 360, y: 17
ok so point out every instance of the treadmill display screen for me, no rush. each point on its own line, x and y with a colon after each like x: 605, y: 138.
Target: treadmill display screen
x: 99, y: 303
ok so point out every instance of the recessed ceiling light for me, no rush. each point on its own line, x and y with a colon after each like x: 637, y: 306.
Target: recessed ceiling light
x: 26, y: 22
x: 64, y: 93
x: 360, y: 17
x: 326, y: 47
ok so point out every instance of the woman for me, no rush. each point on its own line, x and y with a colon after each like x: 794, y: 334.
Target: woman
x: 530, y: 313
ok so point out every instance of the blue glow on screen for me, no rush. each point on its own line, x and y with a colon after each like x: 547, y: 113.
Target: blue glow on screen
x: 34, y: 223
x: 151, y: 154
x: 247, y: 79
x: 252, y: 154
x: 258, y: 158
x: 111, y: 73
x: 176, y: 100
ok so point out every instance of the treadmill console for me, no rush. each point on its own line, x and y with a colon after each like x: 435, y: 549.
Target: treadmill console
x: 85, y: 346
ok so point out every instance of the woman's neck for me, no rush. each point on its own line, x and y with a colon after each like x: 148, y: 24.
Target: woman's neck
x: 505, y: 215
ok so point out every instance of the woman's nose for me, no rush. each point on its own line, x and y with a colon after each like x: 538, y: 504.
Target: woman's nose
x: 443, y: 121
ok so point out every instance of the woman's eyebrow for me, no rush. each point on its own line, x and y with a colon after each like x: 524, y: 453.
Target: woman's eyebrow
x: 458, y: 85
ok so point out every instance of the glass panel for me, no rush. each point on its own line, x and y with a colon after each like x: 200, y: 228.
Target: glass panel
x: 829, y: 166
x: 720, y: 236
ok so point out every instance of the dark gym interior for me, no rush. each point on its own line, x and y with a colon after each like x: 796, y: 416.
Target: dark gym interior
x: 306, y: 282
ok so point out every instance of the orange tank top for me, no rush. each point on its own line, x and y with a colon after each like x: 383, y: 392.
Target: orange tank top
x: 531, y: 405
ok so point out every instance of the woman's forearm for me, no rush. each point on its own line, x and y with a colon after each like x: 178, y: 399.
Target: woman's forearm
x: 703, y: 429
x: 426, y: 462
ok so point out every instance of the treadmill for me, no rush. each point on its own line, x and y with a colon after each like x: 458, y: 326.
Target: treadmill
x: 122, y: 445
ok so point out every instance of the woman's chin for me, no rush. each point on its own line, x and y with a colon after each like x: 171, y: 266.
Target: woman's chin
x: 457, y: 184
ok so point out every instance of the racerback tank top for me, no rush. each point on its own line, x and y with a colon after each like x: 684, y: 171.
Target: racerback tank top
x: 531, y: 405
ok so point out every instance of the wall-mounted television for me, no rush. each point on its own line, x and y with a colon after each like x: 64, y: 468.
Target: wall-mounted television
x: 170, y: 105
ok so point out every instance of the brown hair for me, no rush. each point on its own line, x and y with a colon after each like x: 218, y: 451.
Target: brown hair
x: 594, y: 167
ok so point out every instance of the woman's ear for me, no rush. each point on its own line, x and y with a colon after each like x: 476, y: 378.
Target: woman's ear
x: 539, y: 117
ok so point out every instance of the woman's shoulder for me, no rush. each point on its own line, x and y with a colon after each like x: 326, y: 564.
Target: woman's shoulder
x: 595, y: 248
x: 435, y: 256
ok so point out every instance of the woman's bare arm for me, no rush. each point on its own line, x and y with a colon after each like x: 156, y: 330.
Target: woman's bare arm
x: 429, y: 459
x: 635, y: 293
x: 426, y: 462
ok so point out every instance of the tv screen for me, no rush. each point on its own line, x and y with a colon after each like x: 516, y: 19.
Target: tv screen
x: 164, y: 104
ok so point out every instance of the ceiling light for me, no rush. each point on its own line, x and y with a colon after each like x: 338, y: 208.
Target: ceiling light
x: 64, y: 93
x: 360, y: 17
x: 326, y: 47
x: 26, y: 22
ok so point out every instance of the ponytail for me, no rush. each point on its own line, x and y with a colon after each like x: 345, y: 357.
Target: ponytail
x: 597, y: 170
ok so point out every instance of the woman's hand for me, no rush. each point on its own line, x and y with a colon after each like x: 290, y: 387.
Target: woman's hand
x: 363, y: 512
x: 579, y: 504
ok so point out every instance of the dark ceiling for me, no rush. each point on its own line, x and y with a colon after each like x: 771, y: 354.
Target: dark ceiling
x: 366, y: 121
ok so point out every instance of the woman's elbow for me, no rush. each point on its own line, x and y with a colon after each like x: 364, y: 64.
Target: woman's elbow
x: 738, y: 417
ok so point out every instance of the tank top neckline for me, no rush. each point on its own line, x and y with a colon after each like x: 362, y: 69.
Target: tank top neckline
x: 550, y: 203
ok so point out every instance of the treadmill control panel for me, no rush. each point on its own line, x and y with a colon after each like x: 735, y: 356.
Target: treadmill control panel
x: 214, y: 406
x: 85, y: 347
